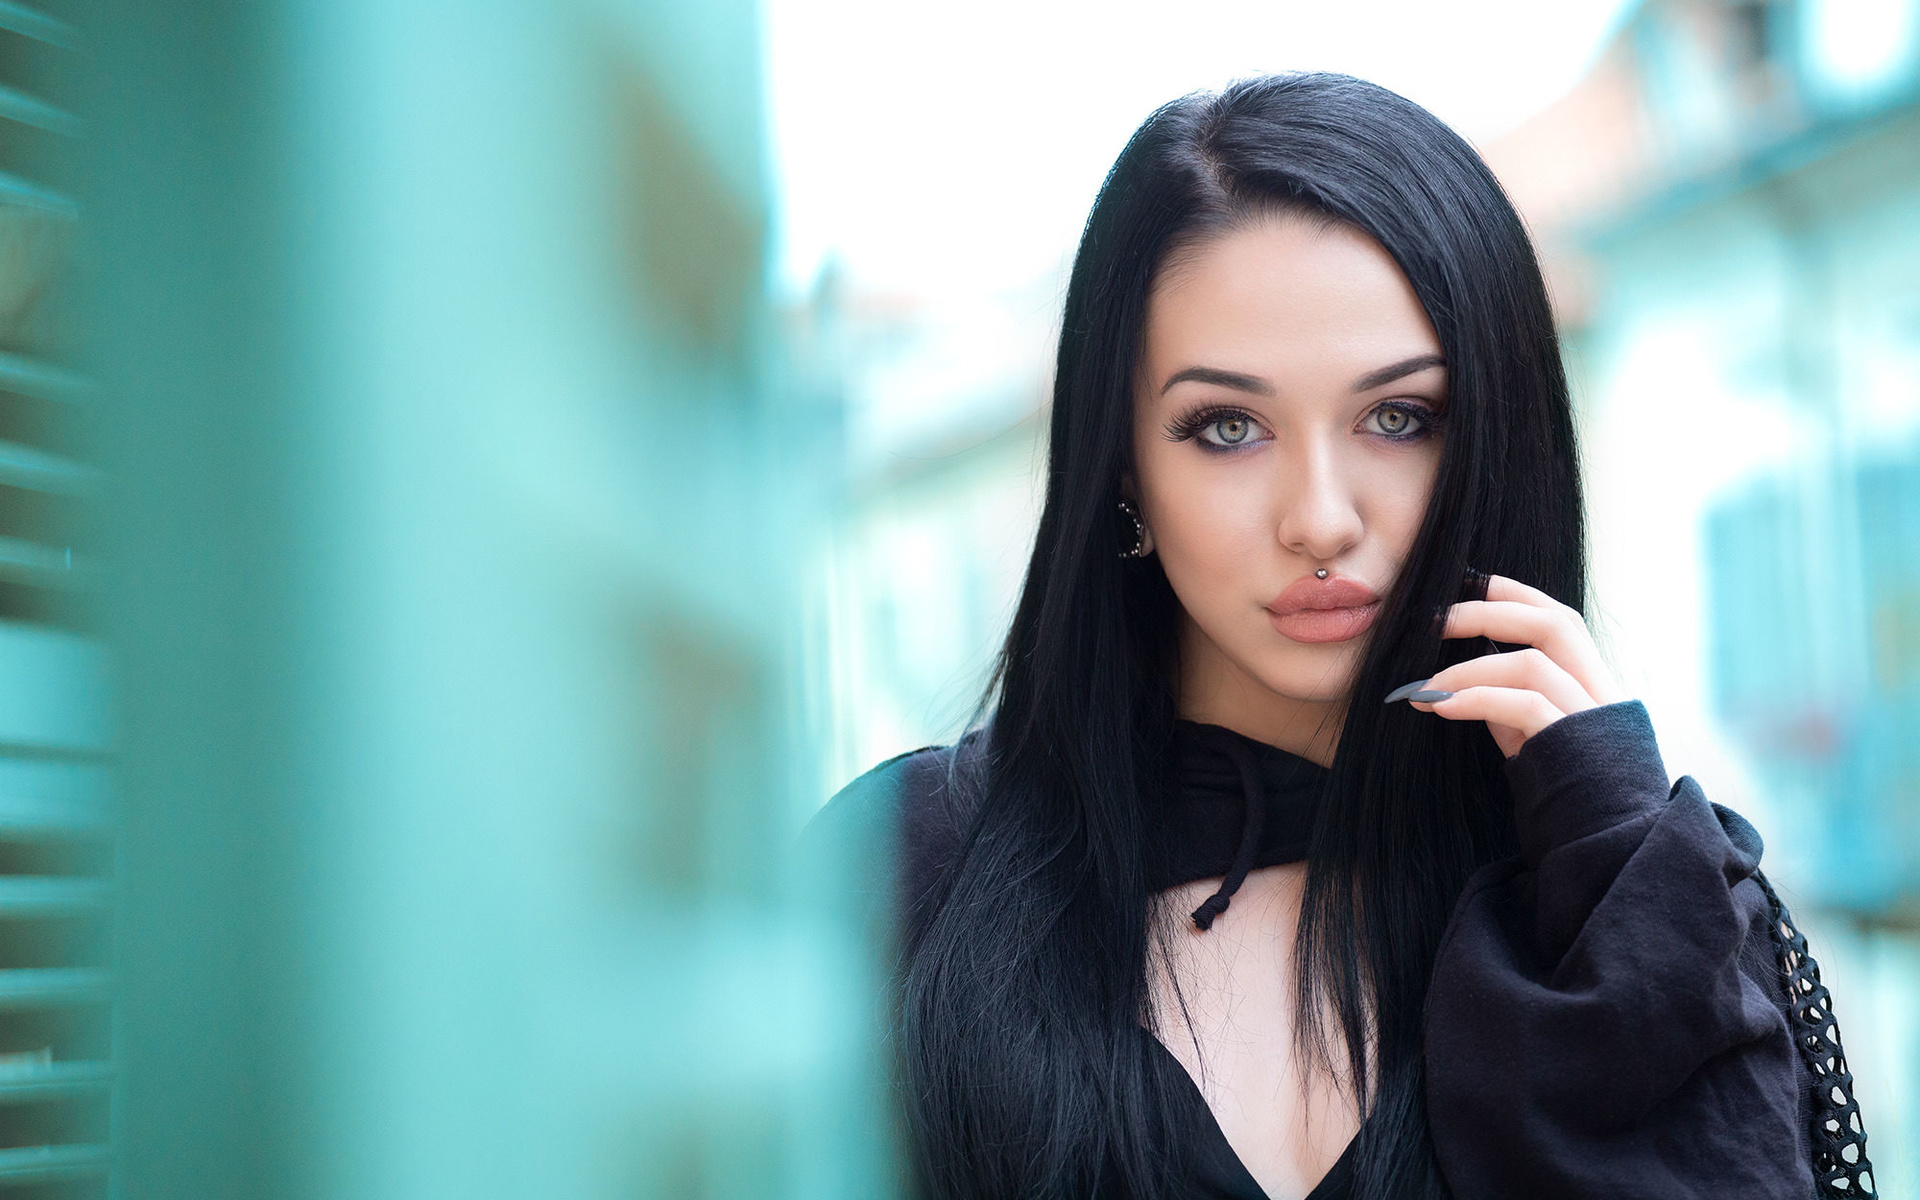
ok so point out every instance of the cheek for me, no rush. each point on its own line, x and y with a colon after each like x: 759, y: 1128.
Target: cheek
x: 1396, y: 509
x: 1208, y: 519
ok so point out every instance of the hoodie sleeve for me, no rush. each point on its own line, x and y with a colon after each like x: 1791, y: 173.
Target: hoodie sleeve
x: 1606, y: 1018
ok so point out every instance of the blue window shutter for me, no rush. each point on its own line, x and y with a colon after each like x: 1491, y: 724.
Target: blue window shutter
x: 56, y: 828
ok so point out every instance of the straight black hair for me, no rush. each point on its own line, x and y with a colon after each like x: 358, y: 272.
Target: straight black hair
x: 1022, y: 1001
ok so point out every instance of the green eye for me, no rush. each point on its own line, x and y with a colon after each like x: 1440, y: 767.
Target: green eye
x: 1217, y: 429
x: 1398, y: 422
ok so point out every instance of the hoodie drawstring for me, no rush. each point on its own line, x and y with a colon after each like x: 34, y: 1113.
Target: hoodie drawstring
x: 1254, y: 822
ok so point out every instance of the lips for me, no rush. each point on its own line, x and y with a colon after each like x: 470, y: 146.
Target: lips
x: 1335, y: 609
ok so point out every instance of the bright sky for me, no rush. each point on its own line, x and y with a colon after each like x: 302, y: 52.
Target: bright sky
x: 956, y: 148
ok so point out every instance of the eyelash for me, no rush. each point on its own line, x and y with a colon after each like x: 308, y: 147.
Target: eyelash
x: 1189, y: 427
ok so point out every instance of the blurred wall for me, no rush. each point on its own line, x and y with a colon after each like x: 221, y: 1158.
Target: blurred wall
x: 944, y: 407
x: 454, y: 510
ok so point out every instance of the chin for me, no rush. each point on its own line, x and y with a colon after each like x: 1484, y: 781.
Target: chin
x: 1312, y: 674
x: 1249, y: 657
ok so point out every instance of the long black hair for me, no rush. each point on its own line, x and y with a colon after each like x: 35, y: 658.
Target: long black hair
x: 1022, y: 1001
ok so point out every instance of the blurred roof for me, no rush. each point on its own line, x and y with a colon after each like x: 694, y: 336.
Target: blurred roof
x: 1689, y: 92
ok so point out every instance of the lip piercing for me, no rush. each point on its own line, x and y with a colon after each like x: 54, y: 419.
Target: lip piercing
x: 1320, y: 574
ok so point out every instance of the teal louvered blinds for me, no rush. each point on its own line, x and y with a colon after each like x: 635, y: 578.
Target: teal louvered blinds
x: 55, y: 828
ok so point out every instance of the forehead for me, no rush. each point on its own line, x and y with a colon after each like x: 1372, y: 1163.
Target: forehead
x: 1287, y: 298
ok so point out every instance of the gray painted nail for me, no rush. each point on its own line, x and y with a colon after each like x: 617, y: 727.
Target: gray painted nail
x: 1405, y: 690
x: 1430, y: 697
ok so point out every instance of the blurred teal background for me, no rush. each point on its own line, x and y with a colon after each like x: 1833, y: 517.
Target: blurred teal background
x: 473, y: 481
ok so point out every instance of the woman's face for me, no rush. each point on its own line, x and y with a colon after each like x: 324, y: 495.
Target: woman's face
x: 1287, y: 420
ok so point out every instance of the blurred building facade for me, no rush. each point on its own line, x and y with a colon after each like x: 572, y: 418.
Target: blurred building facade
x: 945, y: 406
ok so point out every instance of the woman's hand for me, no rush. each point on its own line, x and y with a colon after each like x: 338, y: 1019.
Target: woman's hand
x: 1521, y: 692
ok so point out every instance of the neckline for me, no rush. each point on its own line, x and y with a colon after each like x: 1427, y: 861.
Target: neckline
x: 1221, y: 734
x: 1219, y: 1164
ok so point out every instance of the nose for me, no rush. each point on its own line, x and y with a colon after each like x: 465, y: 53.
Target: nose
x: 1318, y: 517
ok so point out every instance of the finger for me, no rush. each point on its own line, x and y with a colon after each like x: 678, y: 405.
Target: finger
x: 1529, y: 669
x: 1558, y: 632
x: 1585, y: 663
x: 1499, y: 587
x: 1506, y: 621
x: 1517, y: 708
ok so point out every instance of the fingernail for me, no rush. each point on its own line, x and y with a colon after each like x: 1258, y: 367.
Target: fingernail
x: 1405, y: 690
x: 1430, y: 697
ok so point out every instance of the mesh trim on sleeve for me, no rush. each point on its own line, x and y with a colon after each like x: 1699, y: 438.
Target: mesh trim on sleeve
x: 1838, y: 1139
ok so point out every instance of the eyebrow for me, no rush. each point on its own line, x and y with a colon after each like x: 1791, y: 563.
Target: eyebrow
x: 1239, y: 382
x: 1399, y: 370
x: 1214, y: 375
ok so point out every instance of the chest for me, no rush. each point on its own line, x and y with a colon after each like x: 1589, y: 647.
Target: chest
x: 1223, y: 1006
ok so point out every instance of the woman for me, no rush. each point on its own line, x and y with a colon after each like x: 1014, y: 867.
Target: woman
x: 1195, y: 913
